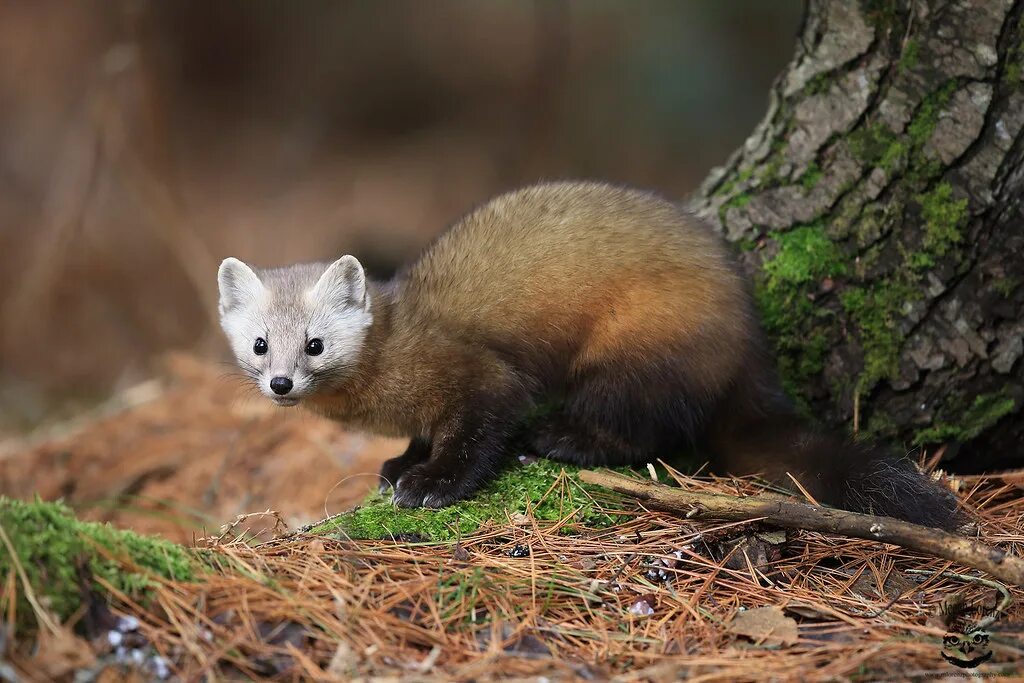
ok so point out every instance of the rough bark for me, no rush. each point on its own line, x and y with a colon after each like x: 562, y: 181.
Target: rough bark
x: 878, y: 205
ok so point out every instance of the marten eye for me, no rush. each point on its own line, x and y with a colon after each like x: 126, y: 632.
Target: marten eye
x: 260, y: 347
x: 314, y: 347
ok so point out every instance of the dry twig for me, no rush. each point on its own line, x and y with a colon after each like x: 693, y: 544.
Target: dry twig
x: 793, y: 515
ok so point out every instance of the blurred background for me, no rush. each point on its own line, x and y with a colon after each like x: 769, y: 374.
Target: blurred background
x: 141, y: 142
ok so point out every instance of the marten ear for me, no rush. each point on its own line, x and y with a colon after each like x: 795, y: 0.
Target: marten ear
x: 342, y: 284
x: 239, y: 285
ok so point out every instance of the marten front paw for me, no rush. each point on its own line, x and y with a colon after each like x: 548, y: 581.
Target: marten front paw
x: 423, y: 486
x: 392, y: 470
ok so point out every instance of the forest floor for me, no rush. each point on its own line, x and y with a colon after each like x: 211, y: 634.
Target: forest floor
x: 556, y: 580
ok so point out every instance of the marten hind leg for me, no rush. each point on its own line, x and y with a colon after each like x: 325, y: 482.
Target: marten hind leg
x: 618, y: 415
x: 561, y: 437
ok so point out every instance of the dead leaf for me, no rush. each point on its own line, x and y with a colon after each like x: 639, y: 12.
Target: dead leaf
x: 765, y: 626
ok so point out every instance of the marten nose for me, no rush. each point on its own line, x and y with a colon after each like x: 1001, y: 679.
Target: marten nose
x: 280, y: 385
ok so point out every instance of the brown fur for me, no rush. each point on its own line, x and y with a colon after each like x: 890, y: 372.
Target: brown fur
x: 611, y: 304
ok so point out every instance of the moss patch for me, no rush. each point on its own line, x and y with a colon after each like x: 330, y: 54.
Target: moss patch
x: 811, y: 177
x: 549, y: 490
x: 729, y: 185
x: 805, y: 254
x: 876, y: 309
x: 1005, y: 286
x: 737, y: 201
x: 910, y: 55
x: 50, y: 542
x: 819, y: 85
x: 877, y: 145
x: 943, y: 216
x: 785, y: 292
x: 985, y: 411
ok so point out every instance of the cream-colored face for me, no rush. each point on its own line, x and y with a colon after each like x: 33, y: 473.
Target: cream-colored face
x: 295, y: 330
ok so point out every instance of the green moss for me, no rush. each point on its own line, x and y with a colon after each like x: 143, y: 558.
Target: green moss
x: 540, y: 487
x: 920, y: 261
x: 784, y: 293
x: 1014, y: 59
x: 50, y: 543
x: 910, y: 55
x: 926, y: 117
x: 746, y: 244
x: 811, y: 177
x: 877, y: 145
x: 880, y: 425
x: 727, y: 187
x: 804, y: 358
x: 943, y: 217
x: 875, y: 310
x: 1005, y: 286
x: 880, y: 146
x: 884, y: 15
x: 985, y: 411
x: 1012, y: 74
x: 768, y: 176
x: 805, y: 254
x: 740, y: 200
x: 923, y: 167
x: 818, y: 85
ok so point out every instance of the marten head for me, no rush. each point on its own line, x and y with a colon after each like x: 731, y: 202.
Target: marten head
x: 298, y: 329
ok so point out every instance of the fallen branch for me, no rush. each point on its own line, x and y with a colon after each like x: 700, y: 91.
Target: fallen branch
x: 794, y: 515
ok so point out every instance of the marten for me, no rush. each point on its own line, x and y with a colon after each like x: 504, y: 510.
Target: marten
x: 586, y: 322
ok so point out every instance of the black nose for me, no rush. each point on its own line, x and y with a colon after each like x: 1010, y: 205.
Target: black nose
x: 280, y: 385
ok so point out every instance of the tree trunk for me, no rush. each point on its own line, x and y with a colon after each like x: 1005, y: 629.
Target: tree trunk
x: 878, y: 205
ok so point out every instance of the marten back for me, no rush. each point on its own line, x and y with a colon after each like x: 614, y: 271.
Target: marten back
x: 572, y: 275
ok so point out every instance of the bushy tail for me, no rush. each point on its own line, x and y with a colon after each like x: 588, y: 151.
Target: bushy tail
x: 760, y: 433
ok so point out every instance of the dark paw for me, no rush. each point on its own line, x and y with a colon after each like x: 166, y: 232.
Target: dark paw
x: 392, y: 470
x: 422, y: 486
x: 547, y: 443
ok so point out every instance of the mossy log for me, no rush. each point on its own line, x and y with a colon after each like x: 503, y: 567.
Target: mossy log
x: 878, y: 205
